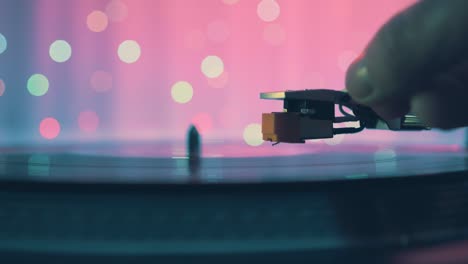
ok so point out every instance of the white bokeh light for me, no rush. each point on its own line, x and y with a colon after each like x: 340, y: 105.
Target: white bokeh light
x: 253, y: 135
x: 60, y: 51
x: 268, y: 10
x: 182, y: 92
x: 3, y: 43
x: 38, y: 84
x: 129, y: 51
x: 212, y: 66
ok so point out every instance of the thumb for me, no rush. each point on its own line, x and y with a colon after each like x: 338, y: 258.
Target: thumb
x: 415, y: 45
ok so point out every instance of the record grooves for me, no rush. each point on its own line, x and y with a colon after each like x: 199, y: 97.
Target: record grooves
x: 370, y: 215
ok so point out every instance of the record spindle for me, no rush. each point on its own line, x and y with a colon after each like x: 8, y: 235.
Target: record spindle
x: 193, y: 150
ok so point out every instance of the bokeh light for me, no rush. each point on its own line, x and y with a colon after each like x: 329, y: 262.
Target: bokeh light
x: 182, y: 92
x: 60, y: 51
x: 212, y: 66
x: 38, y: 84
x: 268, y: 10
x: 203, y: 122
x: 97, y: 21
x: 230, y: 2
x: 129, y: 51
x: 217, y: 31
x: 3, y: 43
x: 253, y: 135
x: 2, y: 87
x: 88, y: 121
x: 101, y: 81
x: 220, y: 81
x: 258, y: 46
x: 274, y: 34
x: 116, y: 11
x: 49, y: 128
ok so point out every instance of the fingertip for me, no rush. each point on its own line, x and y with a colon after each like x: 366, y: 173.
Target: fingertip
x: 361, y: 90
x: 357, y: 82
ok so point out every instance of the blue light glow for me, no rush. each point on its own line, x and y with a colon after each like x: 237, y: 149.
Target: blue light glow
x: 3, y: 43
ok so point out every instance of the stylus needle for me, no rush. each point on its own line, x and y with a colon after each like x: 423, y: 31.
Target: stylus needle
x: 193, y: 143
x: 193, y: 150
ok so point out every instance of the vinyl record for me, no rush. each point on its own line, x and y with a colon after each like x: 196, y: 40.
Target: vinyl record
x: 225, y: 163
x: 127, y: 203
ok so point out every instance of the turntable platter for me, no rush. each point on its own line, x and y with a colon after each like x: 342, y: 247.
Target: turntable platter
x: 225, y: 163
x: 310, y: 203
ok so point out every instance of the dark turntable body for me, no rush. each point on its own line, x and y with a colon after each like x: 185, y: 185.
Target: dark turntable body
x: 140, y: 203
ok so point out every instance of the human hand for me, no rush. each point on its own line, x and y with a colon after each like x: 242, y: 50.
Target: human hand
x: 418, y: 62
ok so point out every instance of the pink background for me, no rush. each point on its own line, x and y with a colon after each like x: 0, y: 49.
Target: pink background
x: 309, y: 45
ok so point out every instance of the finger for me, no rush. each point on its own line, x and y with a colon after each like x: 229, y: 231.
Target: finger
x: 423, y: 40
x: 443, y: 106
x: 385, y: 109
x: 390, y: 110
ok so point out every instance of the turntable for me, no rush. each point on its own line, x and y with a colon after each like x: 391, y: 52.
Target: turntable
x: 97, y: 166
x: 103, y: 202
